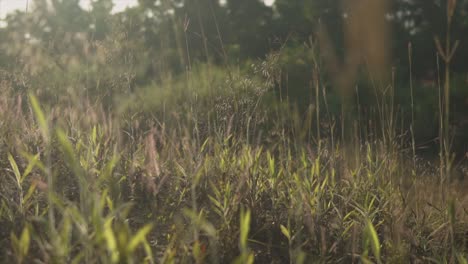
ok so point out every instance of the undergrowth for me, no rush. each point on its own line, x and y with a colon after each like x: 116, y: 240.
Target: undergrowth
x: 108, y: 156
x: 213, y: 175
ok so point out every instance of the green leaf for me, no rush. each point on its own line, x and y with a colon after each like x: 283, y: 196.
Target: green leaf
x: 215, y: 202
x: 300, y: 257
x: 24, y: 242
x: 209, y: 229
x: 271, y: 164
x: 94, y: 135
x: 14, y: 241
x: 374, y: 240
x: 65, y: 233
x: 244, y: 228
x: 285, y: 232
x: 244, y: 259
x: 148, y: 251
x: 109, y: 203
x: 32, y: 163
x: 14, y: 166
x: 40, y: 117
x: 70, y: 156
x: 33, y: 159
x: 197, y: 252
x: 111, y: 241
x: 365, y: 260
x: 461, y: 259
x: 30, y: 192
x: 250, y: 259
x: 205, y: 143
x: 139, y: 237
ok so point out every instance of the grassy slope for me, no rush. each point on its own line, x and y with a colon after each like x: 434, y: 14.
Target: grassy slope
x: 212, y: 177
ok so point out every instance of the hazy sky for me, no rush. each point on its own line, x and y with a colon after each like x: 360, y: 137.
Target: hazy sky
x: 119, y: 5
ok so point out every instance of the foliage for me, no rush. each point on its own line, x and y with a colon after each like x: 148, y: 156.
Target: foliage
x: 207, y: 132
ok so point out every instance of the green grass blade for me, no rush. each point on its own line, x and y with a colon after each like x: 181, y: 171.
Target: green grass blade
x: 374, y: 240
x: 14, y: 166
x: 40, y: 117
x: 139, y: 237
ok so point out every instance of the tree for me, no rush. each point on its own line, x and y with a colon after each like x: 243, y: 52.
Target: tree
x: 250, y: 26
x: 101, y: 16
x: 423, y: 20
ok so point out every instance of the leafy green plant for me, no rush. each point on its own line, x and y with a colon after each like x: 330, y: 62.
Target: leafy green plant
x: 246, y: 256
x: 21, y: 245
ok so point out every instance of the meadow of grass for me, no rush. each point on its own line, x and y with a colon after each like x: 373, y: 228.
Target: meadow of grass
x: 215, y: 163
x: 213, y: 168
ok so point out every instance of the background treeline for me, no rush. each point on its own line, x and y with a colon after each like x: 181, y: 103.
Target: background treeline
x: 157, y: 40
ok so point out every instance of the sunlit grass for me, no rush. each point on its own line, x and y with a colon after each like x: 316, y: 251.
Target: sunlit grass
x: 136, y: 188
x: 217, y: 164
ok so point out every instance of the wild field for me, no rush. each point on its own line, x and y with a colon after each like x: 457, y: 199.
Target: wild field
x: 215, y: 163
